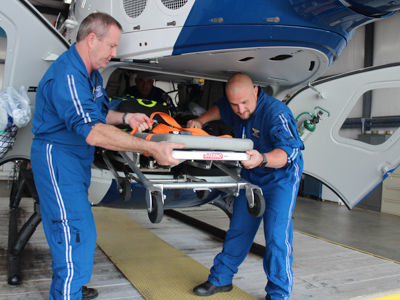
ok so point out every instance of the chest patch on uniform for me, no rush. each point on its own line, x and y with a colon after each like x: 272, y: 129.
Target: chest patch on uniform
x: 98, y: 92
x: 255, y: 132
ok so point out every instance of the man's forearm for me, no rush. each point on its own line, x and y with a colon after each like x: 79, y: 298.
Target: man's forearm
x: 114, y: 117
x: 211, y: 114
x: 112, y: 138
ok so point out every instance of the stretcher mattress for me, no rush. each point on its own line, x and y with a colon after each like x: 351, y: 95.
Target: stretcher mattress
x: 197, y: 142
x: 204, y: 147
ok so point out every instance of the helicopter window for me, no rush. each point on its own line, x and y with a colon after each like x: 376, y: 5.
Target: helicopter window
x: 380, y: 120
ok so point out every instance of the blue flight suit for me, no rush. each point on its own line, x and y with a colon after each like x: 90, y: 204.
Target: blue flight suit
x: 271, y: 126
x: 69, y: 103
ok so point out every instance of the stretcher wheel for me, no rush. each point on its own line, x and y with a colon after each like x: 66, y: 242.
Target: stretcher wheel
x: 126, y: 189
x: 157, y: 212
x: 259, y: 206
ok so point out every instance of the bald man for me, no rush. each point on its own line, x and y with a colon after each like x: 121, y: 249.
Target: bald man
x: 276, y: 165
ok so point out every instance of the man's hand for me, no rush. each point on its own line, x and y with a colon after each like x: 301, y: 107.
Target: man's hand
x: 277, y: 158
x: 254, y: 161
x: 195, y: 123
x: 139, y: 121
x: 162, y: 152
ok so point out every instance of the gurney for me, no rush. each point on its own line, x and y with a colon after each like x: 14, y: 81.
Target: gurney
x: 202, y: 153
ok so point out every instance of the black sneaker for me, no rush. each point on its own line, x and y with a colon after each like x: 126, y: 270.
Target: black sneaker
x: 208, y: 289
x: 88, y: 293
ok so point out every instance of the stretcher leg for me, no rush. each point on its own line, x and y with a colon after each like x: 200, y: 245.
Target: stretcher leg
x: 154, y: 195
x: 123, y: 183
x: 255, y: 198
x: 17, y: 240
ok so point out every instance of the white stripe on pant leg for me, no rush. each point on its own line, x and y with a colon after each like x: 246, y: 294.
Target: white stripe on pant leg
x: 288, y: 246
x: 64, y: 222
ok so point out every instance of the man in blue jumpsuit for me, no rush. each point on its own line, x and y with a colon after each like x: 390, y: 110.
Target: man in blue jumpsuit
x: 276, y: 165
x: 70, y: 119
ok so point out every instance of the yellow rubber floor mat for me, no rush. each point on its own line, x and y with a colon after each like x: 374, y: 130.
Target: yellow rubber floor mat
x: 391, y: 297
x: 155, y: 268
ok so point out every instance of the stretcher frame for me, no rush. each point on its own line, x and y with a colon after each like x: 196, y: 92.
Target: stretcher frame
x: 201, y: 152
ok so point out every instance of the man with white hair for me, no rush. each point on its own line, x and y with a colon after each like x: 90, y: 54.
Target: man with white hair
x: 71, y: 117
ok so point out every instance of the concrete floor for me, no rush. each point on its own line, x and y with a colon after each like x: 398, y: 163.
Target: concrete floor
x: 322, y: 270
x: 369, y: 231
x: 365, y: 230
x: 5, y: 187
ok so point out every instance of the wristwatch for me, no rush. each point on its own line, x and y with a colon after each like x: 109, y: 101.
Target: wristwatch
x: 123, y: 118
x: 264, y: 161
